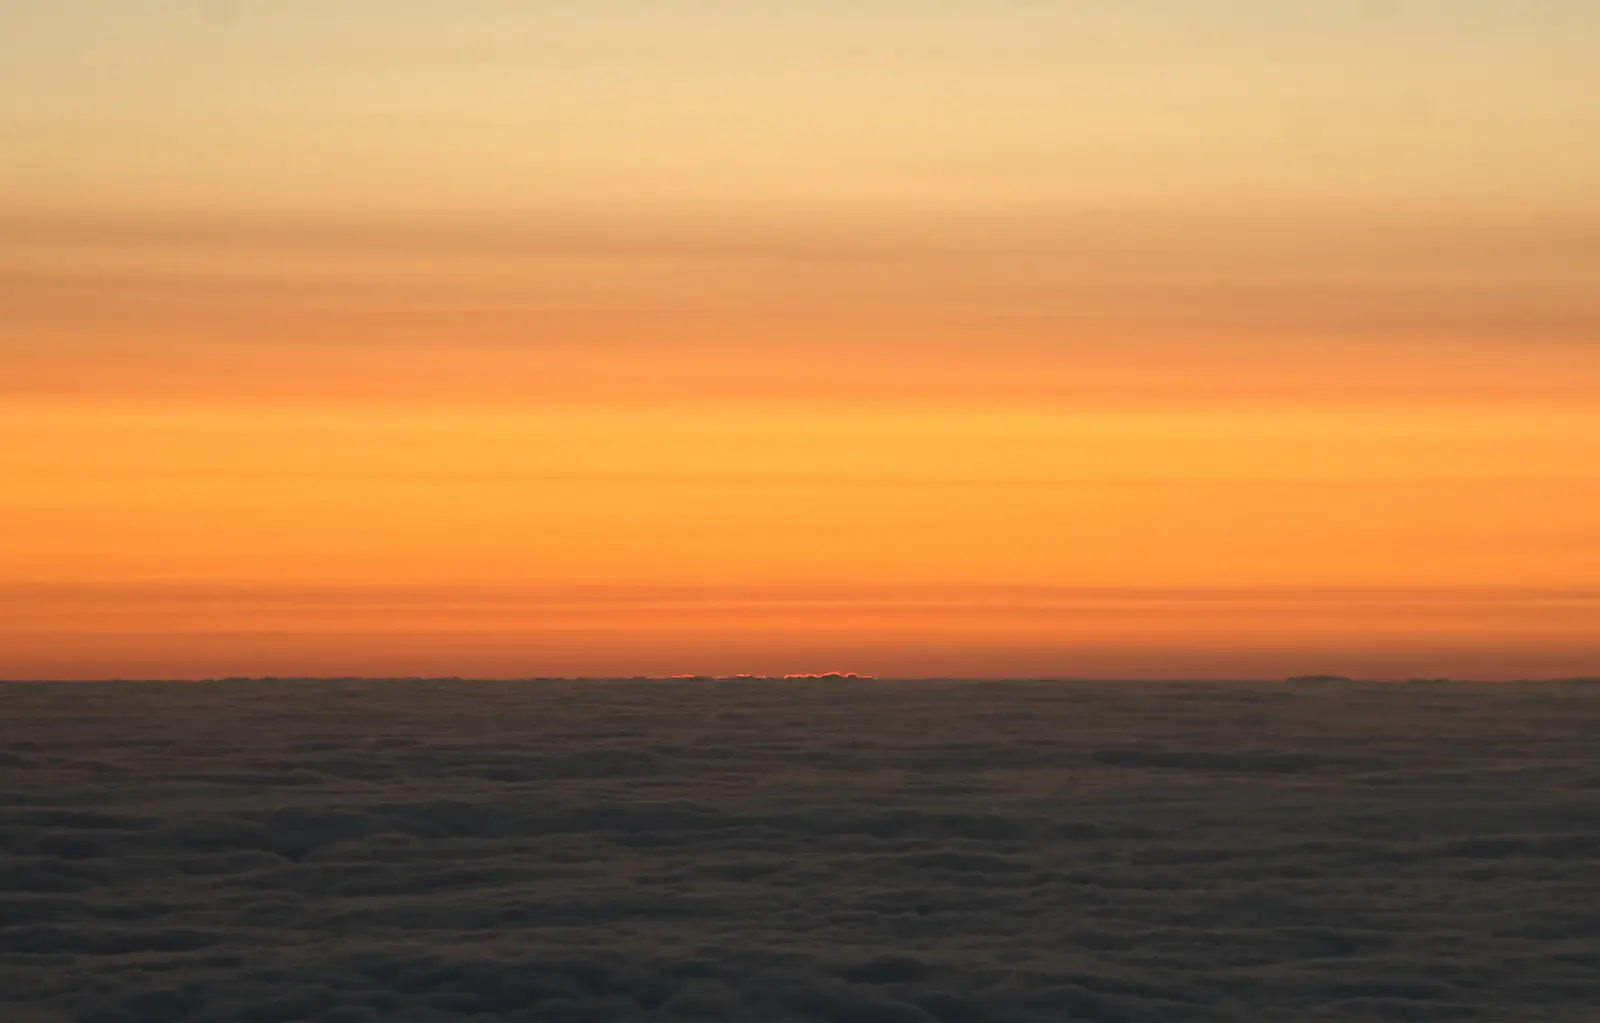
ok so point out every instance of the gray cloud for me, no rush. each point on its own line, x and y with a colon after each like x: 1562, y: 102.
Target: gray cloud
x: 807, y: 850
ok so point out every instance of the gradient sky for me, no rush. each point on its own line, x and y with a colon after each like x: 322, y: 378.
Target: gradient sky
x: 639, y: 336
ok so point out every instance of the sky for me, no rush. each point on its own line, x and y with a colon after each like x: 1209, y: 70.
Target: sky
x: 1156, y: 338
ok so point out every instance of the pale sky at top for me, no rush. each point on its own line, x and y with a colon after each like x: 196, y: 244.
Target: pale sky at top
x: 408, y: 108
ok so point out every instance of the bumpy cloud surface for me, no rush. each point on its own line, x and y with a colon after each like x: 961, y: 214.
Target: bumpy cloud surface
x: 828, y: 849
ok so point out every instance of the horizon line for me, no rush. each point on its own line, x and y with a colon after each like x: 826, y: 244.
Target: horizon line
x: 1307, y: 679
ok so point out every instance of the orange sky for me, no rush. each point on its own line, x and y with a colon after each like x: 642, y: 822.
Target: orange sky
x: 1175, y: 339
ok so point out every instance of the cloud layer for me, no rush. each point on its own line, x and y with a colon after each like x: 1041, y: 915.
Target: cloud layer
x: 819, y: 850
